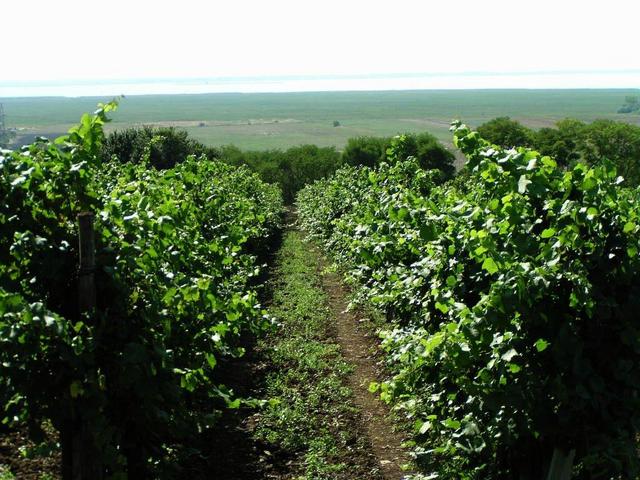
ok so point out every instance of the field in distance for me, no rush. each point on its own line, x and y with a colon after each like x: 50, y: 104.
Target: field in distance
x: 280, y: 120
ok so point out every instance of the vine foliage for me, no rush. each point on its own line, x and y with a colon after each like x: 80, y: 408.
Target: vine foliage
x: 175, y: 254
x: 512, y: 295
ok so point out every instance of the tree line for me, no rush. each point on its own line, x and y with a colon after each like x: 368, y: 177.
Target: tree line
x: 290, y: 169
x: 572, y: 141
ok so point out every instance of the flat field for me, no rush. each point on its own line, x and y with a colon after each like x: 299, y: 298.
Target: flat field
x: 280, y: 120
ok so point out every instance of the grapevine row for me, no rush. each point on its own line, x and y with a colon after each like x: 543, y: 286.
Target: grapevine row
x: 511, y: 294
x: 176, y: 249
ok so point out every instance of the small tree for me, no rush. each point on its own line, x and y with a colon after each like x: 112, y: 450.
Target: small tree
x: 429, y: 152
x: 563, y: 143
x: 506, y: 133
x: 367, y: 151
x: 617, y: 142
x: 167, y: 146
x: 431, y: 155
x: 632, y: 104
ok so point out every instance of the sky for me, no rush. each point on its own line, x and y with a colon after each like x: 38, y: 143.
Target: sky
x: 73, y: 40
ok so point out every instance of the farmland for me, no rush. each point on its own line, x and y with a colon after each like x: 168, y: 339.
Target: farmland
x: 259, y: 121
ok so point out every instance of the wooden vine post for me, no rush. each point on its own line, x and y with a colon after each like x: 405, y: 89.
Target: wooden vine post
x: 561, y: 465
x: 85, y: 457
x: 86, y: 282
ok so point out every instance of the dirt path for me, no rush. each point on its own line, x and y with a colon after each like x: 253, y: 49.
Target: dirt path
x: 316, y: 369
x: 358, y: 348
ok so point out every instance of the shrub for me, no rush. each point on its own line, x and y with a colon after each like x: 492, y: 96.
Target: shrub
x: 430, y: 154
x: 165, y: 146
x: 506, y: 132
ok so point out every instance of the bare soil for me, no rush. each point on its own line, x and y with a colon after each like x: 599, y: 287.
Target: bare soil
x: 361, y: 349
x: 15, y: 441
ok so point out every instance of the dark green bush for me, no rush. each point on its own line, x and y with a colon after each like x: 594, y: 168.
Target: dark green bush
x: 430, y: 154
x: 506, y: 132
x: 291, y: 169
x: 165, y: 146
x: 572, y: 141
x: 366, y: 151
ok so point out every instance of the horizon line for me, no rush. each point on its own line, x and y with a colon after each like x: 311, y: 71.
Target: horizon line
x: 268, y: 78
x: 386, y: 90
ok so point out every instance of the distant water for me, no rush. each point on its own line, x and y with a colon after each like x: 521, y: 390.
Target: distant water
x: 619, y: 79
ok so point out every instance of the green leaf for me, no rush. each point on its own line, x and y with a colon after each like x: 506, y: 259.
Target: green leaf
x: 433, y: 342
x: 541, y: 345
x: 168, y: 296
x: 629, y: 227
x: 451, y: 423
x: 523, y: 183
x: 211, y: 360
x: 548, y: 233
x: 589, y: 182
x: 403, y: 213
x: 443, y: 307
x: 428, y: 232
x: 75, y: 389
x: 480, y: 250
x: 424, y: 428
x: 490, y: 265
x: 514, y: 368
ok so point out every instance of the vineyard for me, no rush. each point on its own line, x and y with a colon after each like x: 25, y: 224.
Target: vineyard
x: 130, y: 379
x: 505, y: 297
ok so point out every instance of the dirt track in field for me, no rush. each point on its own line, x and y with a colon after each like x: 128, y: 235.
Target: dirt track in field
x: 360, y: 348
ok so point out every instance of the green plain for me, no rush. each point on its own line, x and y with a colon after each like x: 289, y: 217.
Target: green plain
x: 280, y: 120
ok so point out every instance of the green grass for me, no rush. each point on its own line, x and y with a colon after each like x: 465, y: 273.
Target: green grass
x: 310, y: 415
x: 249, y: 120
x: 5, y: 473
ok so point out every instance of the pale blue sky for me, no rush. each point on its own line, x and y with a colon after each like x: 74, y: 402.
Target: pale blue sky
x: 134, y: 39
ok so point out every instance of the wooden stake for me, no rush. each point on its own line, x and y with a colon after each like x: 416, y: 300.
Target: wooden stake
x: 85, y: 457
x: 86, y: 283
x: 561, y: 465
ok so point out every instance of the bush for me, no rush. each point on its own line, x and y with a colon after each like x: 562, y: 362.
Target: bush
x: 617, y: 142
x: 506, y: 132
x: 165, y: 146
x: 631, y: 104
x: 563, y: 143
x: 366, y: 151
x: 291, y: 169
x: 430, y: 154
x: 572, y: 141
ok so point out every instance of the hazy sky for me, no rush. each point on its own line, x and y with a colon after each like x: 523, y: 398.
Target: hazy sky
x: 110, y: 39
